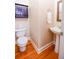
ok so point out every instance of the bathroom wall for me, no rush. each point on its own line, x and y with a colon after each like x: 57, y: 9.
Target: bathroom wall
x: 22, y: 21
x: 46, y: 35
x: 55, y: 14
x: 40, y: 32
x: 34, y: 21
x: 25, y: 2
x: 61, y: 46
x: 61, y: 50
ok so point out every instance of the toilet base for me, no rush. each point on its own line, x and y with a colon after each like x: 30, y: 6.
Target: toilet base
x: 22, y: 49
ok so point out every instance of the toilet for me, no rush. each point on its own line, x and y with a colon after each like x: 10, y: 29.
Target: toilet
x: 22, y: 42
x: 22, y: 39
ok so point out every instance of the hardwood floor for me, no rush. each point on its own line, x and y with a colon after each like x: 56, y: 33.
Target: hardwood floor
x: 30, y: 53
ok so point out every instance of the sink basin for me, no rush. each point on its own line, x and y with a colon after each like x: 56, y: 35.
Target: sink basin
x: 56, y: 29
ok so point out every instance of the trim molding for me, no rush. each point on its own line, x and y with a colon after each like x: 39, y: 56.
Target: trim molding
x: 39, y: 50
x: 34, y: 45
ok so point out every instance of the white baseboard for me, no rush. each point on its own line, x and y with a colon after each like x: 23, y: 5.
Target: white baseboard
x: 45, y: 47
x: 39, y: 50
x: 35, y: 47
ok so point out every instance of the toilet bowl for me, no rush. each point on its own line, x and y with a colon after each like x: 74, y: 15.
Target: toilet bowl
x: 22, y: 38
x: 22, y: 42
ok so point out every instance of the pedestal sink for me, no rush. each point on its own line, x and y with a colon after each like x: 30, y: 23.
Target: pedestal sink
x: 57, y: 31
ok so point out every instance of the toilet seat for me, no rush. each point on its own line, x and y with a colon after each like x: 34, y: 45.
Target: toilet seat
x: 22, y: 41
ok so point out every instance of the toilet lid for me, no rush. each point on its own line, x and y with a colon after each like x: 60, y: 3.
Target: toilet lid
x: 22, y: 40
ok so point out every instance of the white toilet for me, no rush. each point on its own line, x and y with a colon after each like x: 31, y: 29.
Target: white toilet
x: 22, y: 42
x: 22, y: 39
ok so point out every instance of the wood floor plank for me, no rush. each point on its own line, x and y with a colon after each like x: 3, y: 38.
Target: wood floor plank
x: 30, y: 53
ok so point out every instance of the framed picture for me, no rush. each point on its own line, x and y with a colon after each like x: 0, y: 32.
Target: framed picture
x: 21, y: 11
x: 59, y: 10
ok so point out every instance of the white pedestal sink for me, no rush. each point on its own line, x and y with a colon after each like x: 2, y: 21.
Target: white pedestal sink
x: 57, y: 31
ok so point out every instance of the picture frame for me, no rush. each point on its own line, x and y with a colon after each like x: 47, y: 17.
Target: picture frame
x: 21, y: 11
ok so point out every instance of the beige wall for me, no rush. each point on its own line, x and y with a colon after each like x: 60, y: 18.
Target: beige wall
x: 34, y: 21
x: 25, y: 2
x: 46, y: 35
x: 22, y: 21
x: 61, y: 50
x: 61, y: 46
x: 55, y: 14
x: 40, y: 32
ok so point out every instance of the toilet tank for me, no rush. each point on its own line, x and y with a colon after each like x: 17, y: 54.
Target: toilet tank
x: 21, y: 25
x: 20, y: 30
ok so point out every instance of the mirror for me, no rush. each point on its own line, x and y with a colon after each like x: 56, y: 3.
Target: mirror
x: 59, y: 11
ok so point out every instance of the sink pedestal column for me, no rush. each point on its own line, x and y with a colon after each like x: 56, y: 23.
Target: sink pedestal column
x: 57, y: 43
